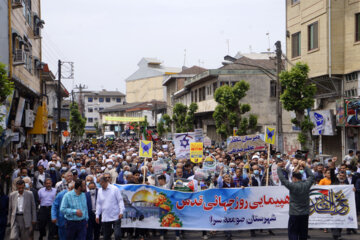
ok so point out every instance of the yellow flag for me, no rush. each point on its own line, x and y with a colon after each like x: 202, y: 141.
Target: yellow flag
x: 145, y: 149
x: 270, y: 135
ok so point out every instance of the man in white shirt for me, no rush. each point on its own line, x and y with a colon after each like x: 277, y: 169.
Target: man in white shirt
x: 110, y: 205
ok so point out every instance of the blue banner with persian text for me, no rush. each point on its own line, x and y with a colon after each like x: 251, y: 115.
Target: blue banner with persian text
x: 233, y: 209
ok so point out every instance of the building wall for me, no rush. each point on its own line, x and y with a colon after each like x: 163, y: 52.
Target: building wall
x: 145, y: 90
x: 345, y: 52
x: 298, y: 17
x: 170, y: 90
x: 352, y: 48
x: 4, y: 39
x: 21, y: 26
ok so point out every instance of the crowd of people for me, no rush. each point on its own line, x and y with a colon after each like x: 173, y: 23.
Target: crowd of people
x: 71, y: 195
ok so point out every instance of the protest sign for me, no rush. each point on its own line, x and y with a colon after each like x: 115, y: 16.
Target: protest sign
x: 201, y: 174
x: 209, y: 164
x: 182, y: 144
x: 199, y: 135
x: 270, y: 135
x: 247, y: 143
x: 233, y: 209
x: 159, y: 166
x: 196, y: 152
x: 145, y: 149
x: 207, y: 142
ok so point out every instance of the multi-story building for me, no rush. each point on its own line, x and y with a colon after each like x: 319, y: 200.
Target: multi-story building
x: 325, y: 34
x: 20, y: 50
x: 259, y: 72
x: 176, y: 82
x: 92, y: 102
x: 145, y: 84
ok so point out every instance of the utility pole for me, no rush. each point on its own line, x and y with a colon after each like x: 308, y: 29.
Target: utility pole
x: 280, y: 143
x: 81, y: 103
x: 59, y: 108
x: 69, y: 75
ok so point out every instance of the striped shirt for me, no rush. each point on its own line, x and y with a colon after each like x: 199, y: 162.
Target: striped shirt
x: 71, y: 203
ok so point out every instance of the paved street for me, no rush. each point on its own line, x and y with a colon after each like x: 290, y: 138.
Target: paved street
x: 280, y: 234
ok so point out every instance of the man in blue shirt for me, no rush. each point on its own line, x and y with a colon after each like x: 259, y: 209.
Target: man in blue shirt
x: 74, y: 207
x: 56, y: 216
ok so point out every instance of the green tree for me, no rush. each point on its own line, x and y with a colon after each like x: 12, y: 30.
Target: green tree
x: 164, y: 126
x: 77, y: 122
x: 98, y: 129
x: 184, y: 117
x: 298, y: 96
x: 229, y: 112
x: 6, y: 87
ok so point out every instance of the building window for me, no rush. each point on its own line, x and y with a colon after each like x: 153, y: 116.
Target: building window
x: 351, y: 77
x: 90, y: 99
x: 90, y: 109
x: 195, y: 93
x: 95, y: 119
x: 202, y: 94
x: 90, y: 120
x: 214, y: 87
x: 118, y: 100
x: 101, y: 108
x: 313, y: 36
x: 357, y: 27
x: 296, y: 45
x: 101, y: 99
x: 108, y: 99
x: 272, y: 88
x: 295, y: 1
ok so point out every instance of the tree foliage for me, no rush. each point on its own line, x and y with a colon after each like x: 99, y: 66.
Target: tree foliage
x: 229, y: 112
x: 298, y: 96
x: 98, y: 129
x: 184, y: 117
x: 77, y: 122
x: 6, y: 87
x: 164, y: 126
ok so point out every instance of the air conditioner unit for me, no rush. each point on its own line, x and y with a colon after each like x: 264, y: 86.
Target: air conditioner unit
x: 29, y: 118
x: 17, y: 4
x: 19, y: 57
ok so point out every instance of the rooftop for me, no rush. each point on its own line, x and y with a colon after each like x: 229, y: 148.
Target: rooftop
x: 151, y: 67
x: 104, y: 93
x: 185, y: 73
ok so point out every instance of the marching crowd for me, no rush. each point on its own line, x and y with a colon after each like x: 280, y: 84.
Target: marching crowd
x: 72, y: 195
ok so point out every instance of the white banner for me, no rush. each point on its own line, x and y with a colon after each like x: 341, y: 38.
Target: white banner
x: 182, y: 144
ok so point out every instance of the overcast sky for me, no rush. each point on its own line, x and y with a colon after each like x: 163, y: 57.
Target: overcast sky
x: 106, y: 39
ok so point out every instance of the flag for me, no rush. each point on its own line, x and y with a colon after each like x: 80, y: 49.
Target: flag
x: 270, y: 135
x: 145, y: 149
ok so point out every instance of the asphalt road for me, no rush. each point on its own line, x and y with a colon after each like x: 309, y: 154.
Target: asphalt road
x: 280, y: 234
